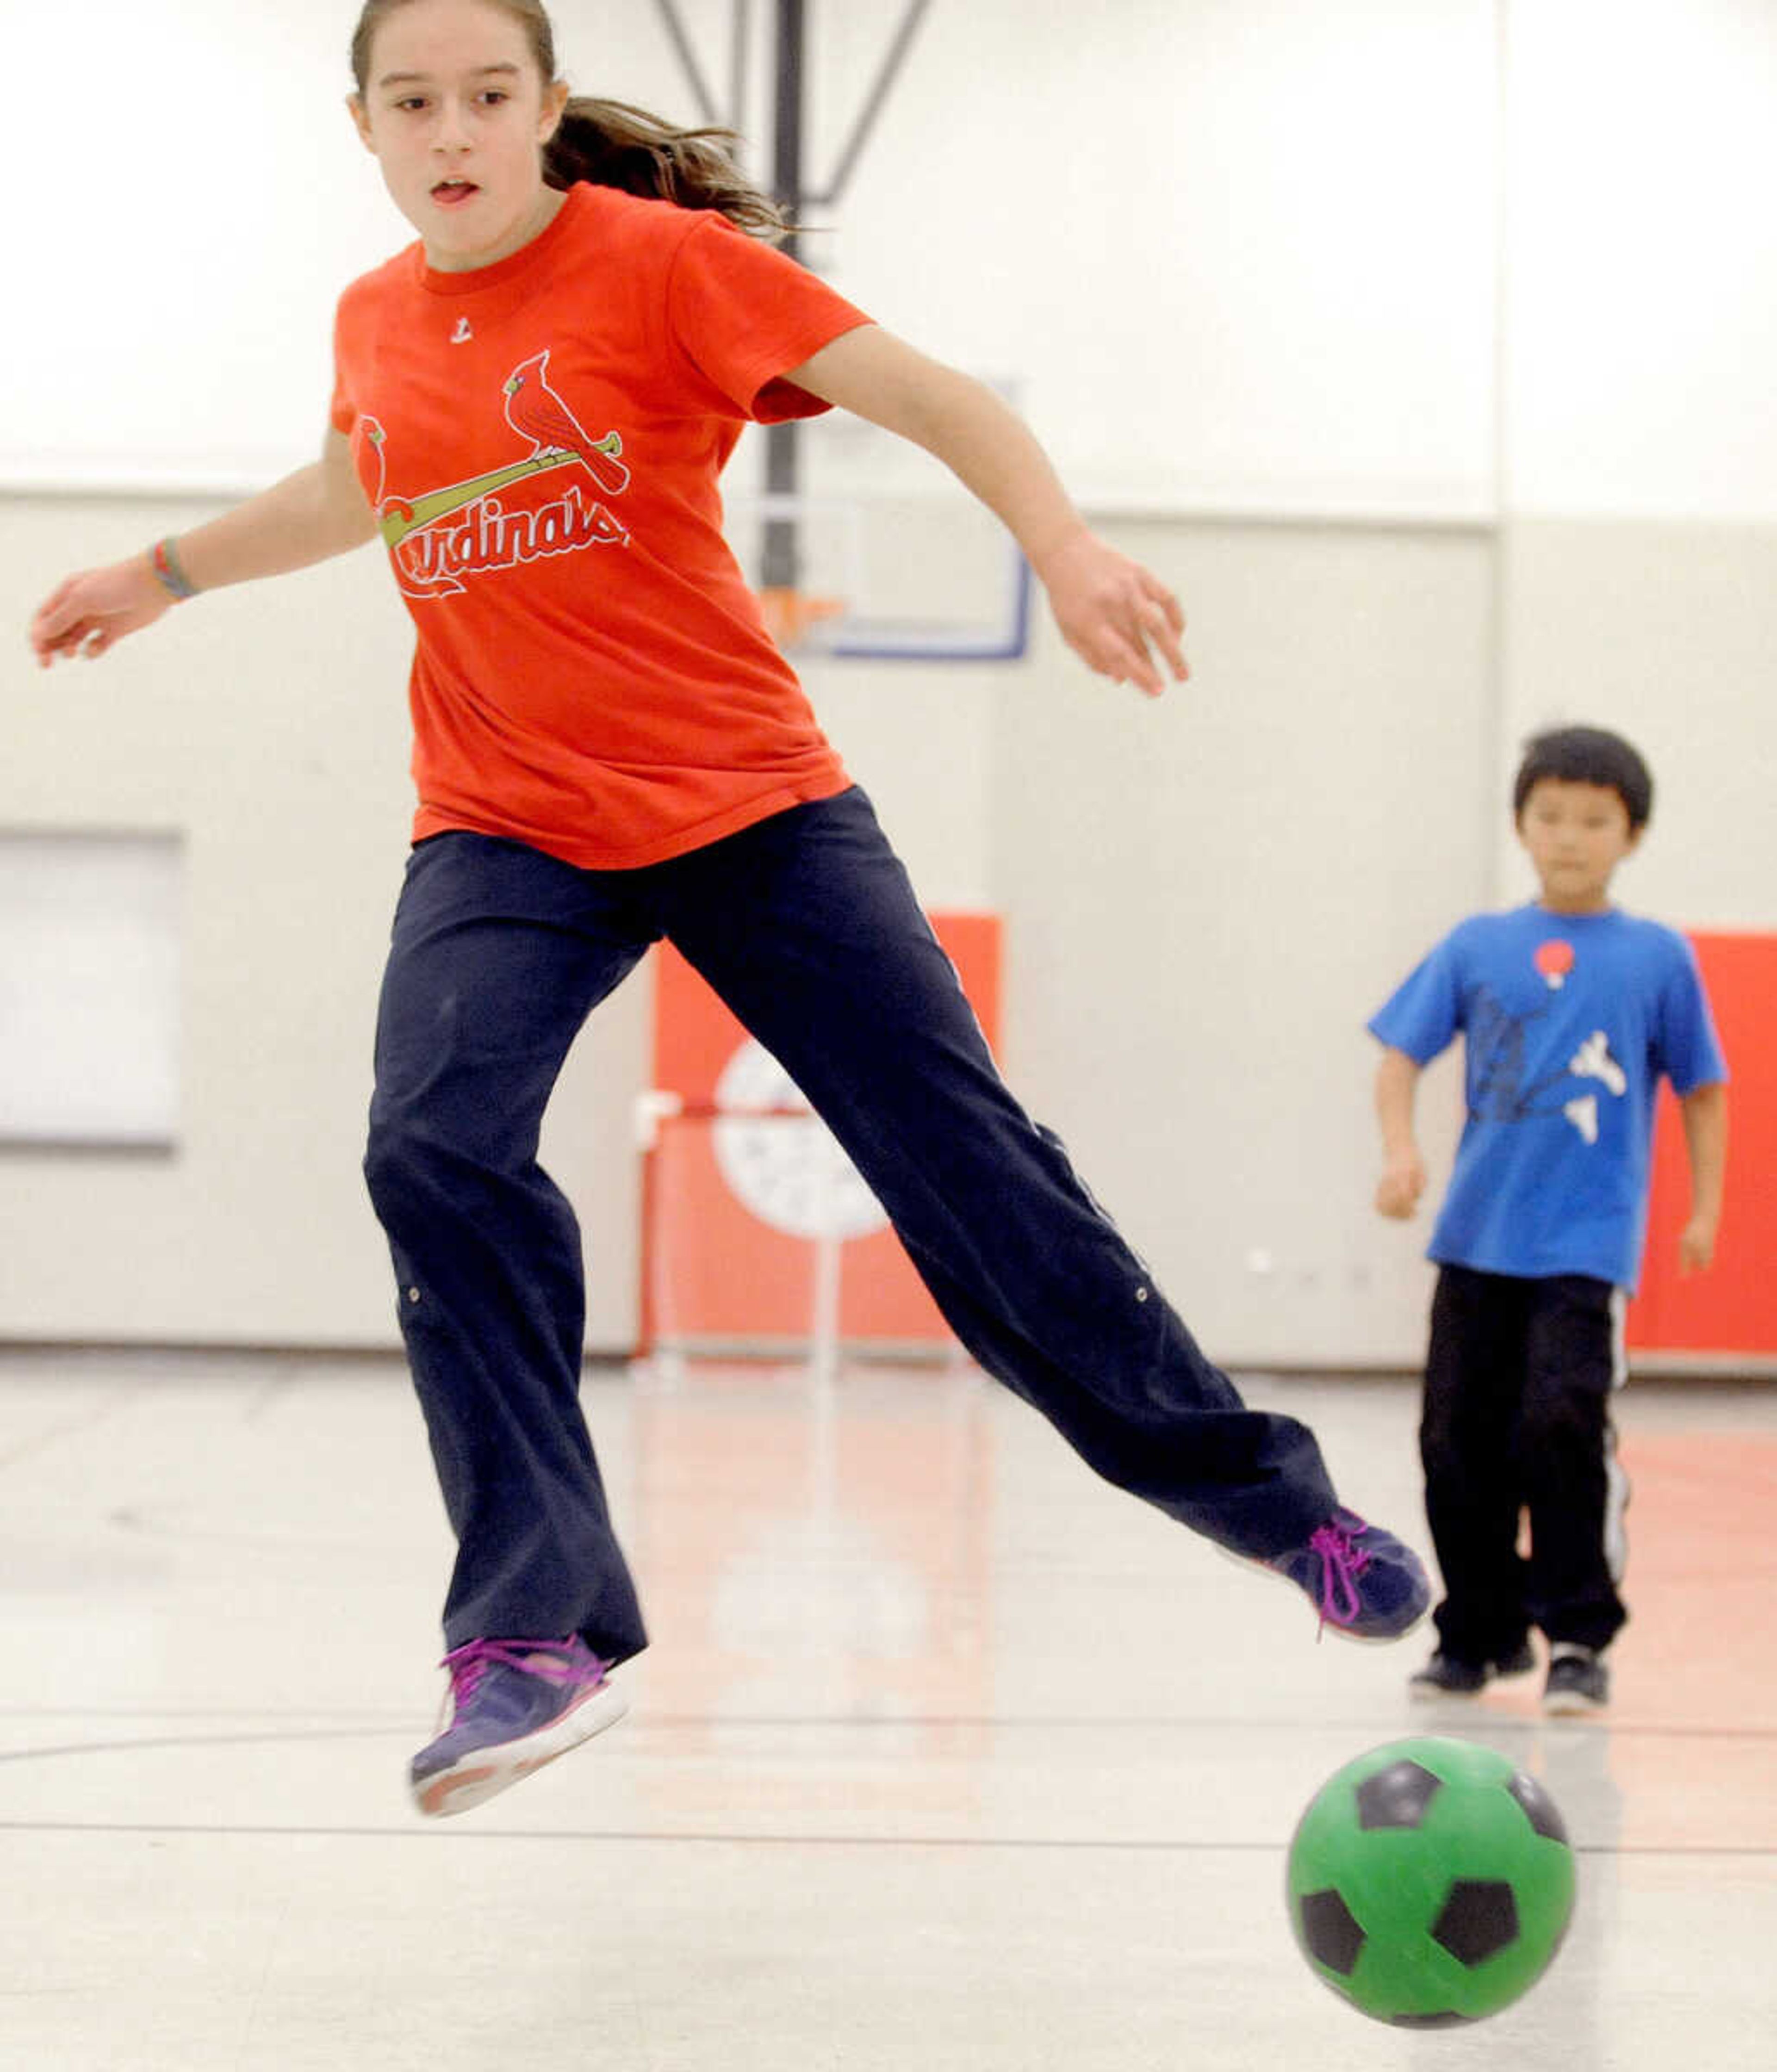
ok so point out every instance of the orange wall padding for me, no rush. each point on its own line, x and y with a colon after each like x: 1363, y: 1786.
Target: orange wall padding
x: 1733, y: 1308
x: 711, y: 1269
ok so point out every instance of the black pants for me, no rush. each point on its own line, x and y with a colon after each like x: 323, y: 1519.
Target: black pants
x: 807, y: 927
x: 1517, y: 1419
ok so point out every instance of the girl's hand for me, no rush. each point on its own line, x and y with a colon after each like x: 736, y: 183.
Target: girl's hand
x: 90, y: 613
x: 1117, y: 616
x: 1403, y: 1181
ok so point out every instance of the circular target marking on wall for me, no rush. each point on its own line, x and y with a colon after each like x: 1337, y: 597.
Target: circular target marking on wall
x: 780, y: 1160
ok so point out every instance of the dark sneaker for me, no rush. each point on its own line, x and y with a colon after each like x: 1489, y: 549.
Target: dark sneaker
x: 1577, y: 1683
x: 1449, y: 1676
x: 517, y: 1705
x: 1366, y: 1584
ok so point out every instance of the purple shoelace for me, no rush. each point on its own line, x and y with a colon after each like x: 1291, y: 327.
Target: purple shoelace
x: 1342, y: 1562
x: 555, y: 1661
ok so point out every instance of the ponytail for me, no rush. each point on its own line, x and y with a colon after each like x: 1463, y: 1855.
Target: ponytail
x: 613, y: 144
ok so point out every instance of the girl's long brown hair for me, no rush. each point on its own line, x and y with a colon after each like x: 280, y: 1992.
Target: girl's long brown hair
x: 613, y: 144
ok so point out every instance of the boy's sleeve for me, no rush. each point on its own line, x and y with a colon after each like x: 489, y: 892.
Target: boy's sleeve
x: 744, y: 314
x: 1424, y: 1013
x: 1687, y: 1048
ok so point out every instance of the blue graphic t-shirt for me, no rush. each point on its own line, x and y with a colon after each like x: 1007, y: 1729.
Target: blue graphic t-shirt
x: 1568, y: 1022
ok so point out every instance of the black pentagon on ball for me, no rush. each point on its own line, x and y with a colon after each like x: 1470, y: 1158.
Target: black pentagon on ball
x: 1329, y: 1933
x: 1396, y: 1797
x: 1539, y: 1809
x: 1479, y: 1918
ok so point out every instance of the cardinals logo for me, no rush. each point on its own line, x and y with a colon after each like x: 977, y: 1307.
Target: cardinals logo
x: 535, y: 413
x: 439, y: 537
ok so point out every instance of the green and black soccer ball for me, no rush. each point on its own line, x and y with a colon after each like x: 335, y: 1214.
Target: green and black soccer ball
x: 1430, y: 1882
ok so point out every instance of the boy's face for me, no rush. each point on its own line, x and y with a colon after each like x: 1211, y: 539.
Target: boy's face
x: 1576, y: 835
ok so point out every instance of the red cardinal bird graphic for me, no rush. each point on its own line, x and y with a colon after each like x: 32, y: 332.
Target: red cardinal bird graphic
x: 535, y: 413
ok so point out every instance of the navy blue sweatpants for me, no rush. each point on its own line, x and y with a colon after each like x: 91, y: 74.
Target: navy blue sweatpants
x: 807, y: 927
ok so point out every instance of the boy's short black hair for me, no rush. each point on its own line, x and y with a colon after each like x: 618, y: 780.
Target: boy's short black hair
x: 1586, y: 755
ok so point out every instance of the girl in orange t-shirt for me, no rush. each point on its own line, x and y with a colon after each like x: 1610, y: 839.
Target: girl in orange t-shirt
x: 532, y: 408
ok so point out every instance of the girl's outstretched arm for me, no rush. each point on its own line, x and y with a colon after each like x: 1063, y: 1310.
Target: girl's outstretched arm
x: 1117, y: 616
x: 318, y: 511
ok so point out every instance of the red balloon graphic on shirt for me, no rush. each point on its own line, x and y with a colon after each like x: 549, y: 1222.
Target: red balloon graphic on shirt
x: 1554, y: 960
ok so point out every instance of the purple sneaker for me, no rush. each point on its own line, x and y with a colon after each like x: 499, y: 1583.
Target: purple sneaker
x: 517, y: 1706
x: 1367, y: 1584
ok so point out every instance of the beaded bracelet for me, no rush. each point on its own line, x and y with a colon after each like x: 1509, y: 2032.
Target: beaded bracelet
x: 168, y: 568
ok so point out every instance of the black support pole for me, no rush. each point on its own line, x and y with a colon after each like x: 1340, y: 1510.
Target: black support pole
x: 782, y: 561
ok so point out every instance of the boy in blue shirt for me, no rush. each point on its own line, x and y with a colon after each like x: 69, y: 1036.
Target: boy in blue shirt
x: 1570, y: 1011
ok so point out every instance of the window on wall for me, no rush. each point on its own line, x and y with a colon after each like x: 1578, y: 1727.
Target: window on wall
x: 90, y: 926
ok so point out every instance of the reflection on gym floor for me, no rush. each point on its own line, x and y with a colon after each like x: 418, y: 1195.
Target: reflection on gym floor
x: 945, y: 1755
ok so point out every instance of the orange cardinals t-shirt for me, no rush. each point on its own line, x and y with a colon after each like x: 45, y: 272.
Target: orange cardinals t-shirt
x: 541, y: 440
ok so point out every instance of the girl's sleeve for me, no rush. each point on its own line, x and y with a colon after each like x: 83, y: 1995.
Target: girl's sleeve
x: 1424, y: 1012
x: 743, y: 315
x: 343, y: 412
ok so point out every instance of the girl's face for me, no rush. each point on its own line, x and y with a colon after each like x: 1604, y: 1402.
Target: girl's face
x: 457, y: 113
